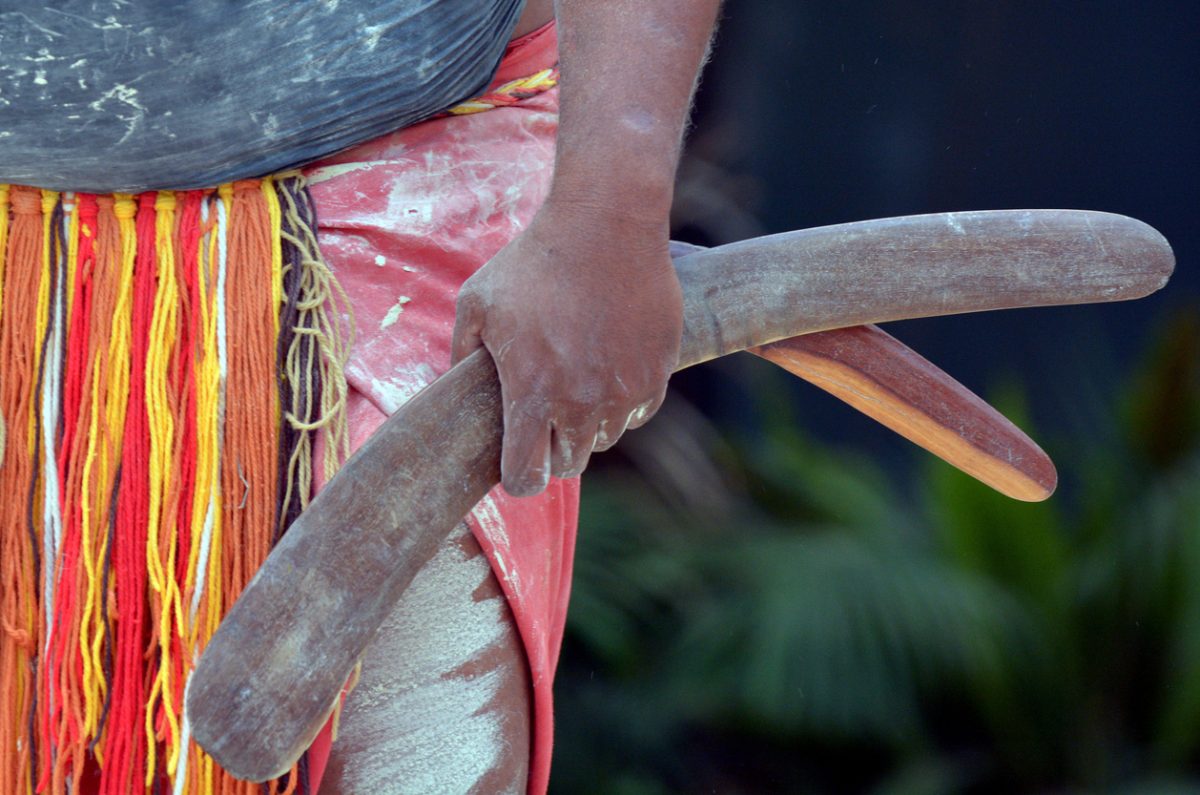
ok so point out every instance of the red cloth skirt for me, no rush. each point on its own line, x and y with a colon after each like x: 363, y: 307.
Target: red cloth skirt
x: 403, y: 221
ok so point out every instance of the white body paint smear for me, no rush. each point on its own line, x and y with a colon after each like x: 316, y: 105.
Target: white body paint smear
x: 427, y: 724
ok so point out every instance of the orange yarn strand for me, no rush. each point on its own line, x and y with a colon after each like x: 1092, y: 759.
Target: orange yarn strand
x: 251, y: 424
x: 19, y: 584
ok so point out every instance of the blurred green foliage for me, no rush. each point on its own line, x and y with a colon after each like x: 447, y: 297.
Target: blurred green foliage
x: 795, y: 619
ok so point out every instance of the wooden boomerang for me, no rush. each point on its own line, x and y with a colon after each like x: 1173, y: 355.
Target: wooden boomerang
x: 894, y: 385
x: 268, y: 678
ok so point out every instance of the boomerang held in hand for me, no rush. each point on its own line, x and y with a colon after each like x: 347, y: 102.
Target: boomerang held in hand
x: 267, y: 680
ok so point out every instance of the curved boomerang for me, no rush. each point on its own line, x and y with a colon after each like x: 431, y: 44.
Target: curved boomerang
x: 268, y: 678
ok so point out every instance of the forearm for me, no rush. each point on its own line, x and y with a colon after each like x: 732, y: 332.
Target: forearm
x: 581, y: 356
x: 628, y: 72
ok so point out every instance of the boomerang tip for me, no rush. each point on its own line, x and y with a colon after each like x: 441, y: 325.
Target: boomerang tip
x: 1036, y: 481
x: 1146, y: 250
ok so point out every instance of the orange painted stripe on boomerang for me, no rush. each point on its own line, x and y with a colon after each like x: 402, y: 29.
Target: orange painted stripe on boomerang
x: 894, y: 385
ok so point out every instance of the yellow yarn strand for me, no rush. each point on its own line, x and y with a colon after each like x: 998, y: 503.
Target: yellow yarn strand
x: 163, y: 331
x: 509, y: 93
x: 207, y: 374
x: 273, y: 212
x: 93, y: 510
x: 92, y: 515
x: 70, y: 206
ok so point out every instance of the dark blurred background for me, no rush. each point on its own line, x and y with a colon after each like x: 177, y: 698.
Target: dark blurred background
x: 775, y: 595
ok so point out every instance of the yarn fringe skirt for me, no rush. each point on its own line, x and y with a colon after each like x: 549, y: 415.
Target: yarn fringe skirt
x: 166, y: 360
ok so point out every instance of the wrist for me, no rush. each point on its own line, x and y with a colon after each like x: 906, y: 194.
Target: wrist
x: 610, y: 218
x: 628, y: 198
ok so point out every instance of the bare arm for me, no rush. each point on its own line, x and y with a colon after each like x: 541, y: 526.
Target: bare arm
x: 582, y: 312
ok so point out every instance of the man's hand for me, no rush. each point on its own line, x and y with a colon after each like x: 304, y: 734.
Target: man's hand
x: 582, y: 314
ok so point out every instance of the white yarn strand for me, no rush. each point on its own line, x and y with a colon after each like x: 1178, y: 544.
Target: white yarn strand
x: 50, y: 414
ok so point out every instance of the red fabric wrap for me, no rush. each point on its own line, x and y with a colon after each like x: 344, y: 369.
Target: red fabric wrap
x: 404, y: 220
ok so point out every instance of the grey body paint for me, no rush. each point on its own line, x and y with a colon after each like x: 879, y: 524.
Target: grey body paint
x: 107, y: 95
